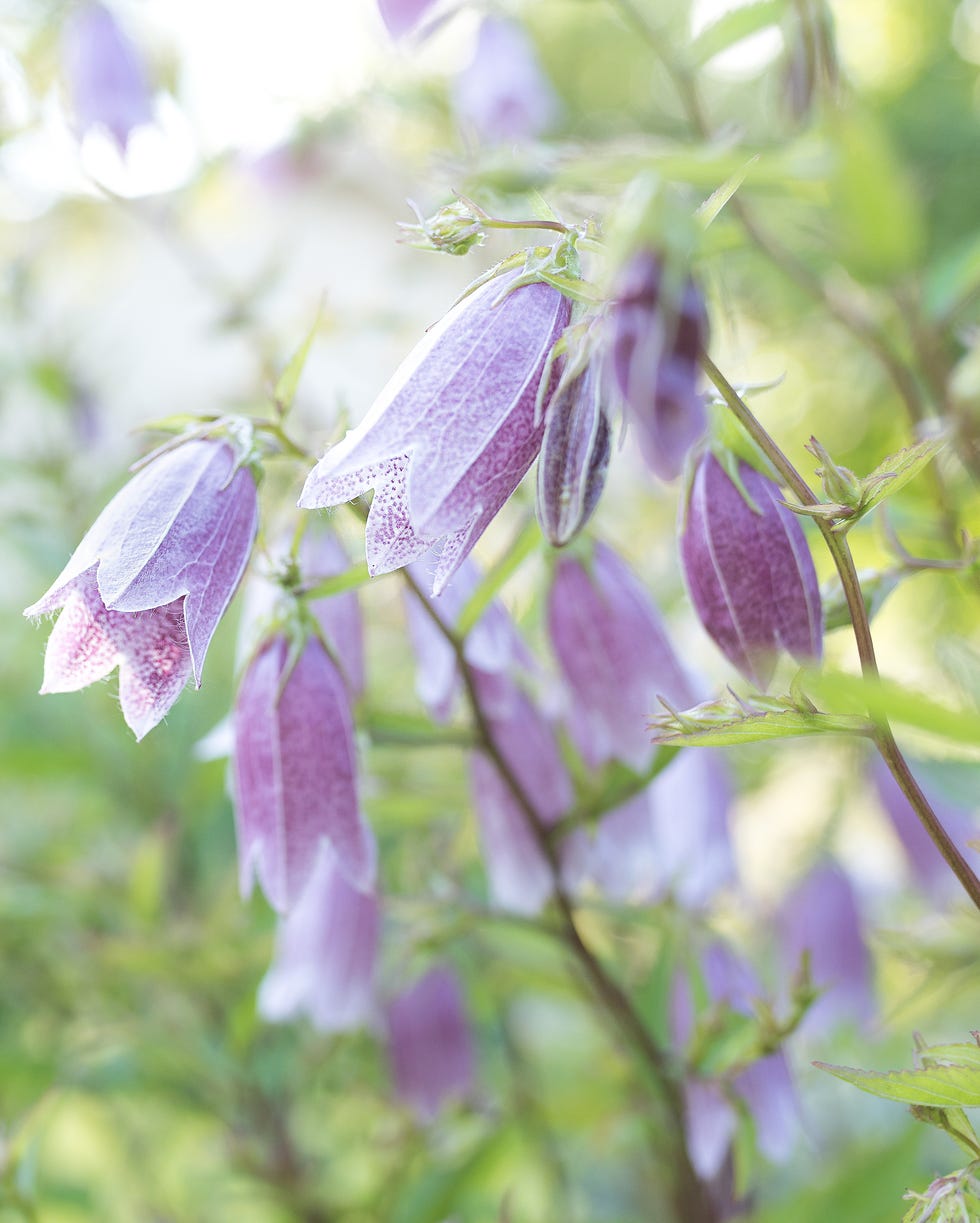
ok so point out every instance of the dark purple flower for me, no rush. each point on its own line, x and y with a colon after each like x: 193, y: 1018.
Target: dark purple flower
x: 149, y: 582
x: 749, y: 571
x: 574, y: 456
x: 820, y: 916
x: 429, y: 1043
x: 452, y: 434
x: 614, y: 656
x: 521, y: 878
x: 656, y: 339
x: 402, y: 16
x: 105, y: 75
x: 295, y: 773
x: 502, y: 95
x: 928, y: 865
x: 326, y: 950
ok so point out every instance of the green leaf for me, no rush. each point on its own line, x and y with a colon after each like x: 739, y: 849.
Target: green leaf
x: 732, y: 27
x: 717, y: 200
x: 893, y: 473
x: 527, y: 542
x: 952, y: 1121
x: 938, y: 1086
x: 350, y: 579
x: 755, y: 727
x: 957, y: 1055
x: 284, y: 391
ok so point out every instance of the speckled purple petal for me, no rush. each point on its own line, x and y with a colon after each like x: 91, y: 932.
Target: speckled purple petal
x: 430, y: 1044
x: 326, y: 948
x: 750, y: 575
x: 295, y: 774
x: 614, y: 656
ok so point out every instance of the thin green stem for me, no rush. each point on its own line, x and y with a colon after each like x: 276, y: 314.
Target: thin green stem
x: 839, y: 549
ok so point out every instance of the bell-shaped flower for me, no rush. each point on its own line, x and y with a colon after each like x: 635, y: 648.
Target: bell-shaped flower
x: 614, y: 656
x: 149, y: 582
x: 402, y: 16
x: 929, y: 868
x: 502, y: 95
x: 521, y: 878
x: 295, y: 773
x: 656, y: 337
x: 326, y: 949
x: 493, y: 646
x: 574, y: 455
x: 105, y: 75
x: 430, y: 1044
x: 820, y: 917
x: 749, y: 570
x: 452, y: 434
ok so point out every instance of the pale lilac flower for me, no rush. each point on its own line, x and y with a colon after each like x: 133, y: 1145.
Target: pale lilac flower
x: 521, y: 878
x: 655, y: 344
x: 574, y: 456
x: 402, y: 16
x: 326, y: 949
x: 820, y: 916
x: 710, y: 1122
x: 452, y: 434
x: 927, y: 864
x: 502, y: 95
x: 749, y: 571
x: 614, y: 656
x: 105, y: 74
x: 430, y: 1044
x: 493, y: 646
x: 152, y: 577
x: 295, y: 773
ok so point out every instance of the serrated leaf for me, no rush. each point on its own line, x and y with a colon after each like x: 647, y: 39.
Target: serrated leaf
x: 957, y: 1055
x: 755, y: 727
x: 732, y: 27
x: 284, y: 391
x: 937, y: 1086
x: 899, y: 469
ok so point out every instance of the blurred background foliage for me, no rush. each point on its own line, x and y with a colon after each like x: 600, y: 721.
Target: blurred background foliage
x: 136, y: 1081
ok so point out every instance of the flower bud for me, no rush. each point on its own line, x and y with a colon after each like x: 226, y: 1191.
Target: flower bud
x: 574, y: 456
x: 150, y: 580
x: 326, y: 950
x: 295, y: 773
x: 614, y: 656
x: 429, y: 1043
x: 656, y: 339
x: 105, y: 76
x: 749, y: 570
x: 452, y: 434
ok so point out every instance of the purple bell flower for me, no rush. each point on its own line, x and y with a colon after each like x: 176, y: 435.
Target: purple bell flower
x: 402, y: 16
x: 430, y: 1044
x: 502, y: 95
x: 295, y: 774
x: 452, y: 434
x: 152, y: 577
x: 654, y: 349
x: 106, y: 78
x: 574, y: 456
x: 749, y: 571
x: 820, y: 916
x: 614, y: 656
x: 521, y: 878
x: 326, y: 949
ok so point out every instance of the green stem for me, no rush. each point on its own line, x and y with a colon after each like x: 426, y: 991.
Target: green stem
x: 839, y: 549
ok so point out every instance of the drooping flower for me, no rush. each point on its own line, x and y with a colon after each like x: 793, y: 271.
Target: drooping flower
x: 326, y: 949
x: 927, y: 864
x: 402, y: 16
x: 614, y: 656
x: 105, y: 74
x: 657, y: 335
x: 820, y: 916
x: 493, y: 646
x: 430, y: 1044
x: 574, y: 456
x: 521, y: 878
x: 295, y: 773
x: 749, y: 570
x: 502, y: 95
x: 150, y: 580
x: 452, y: 434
